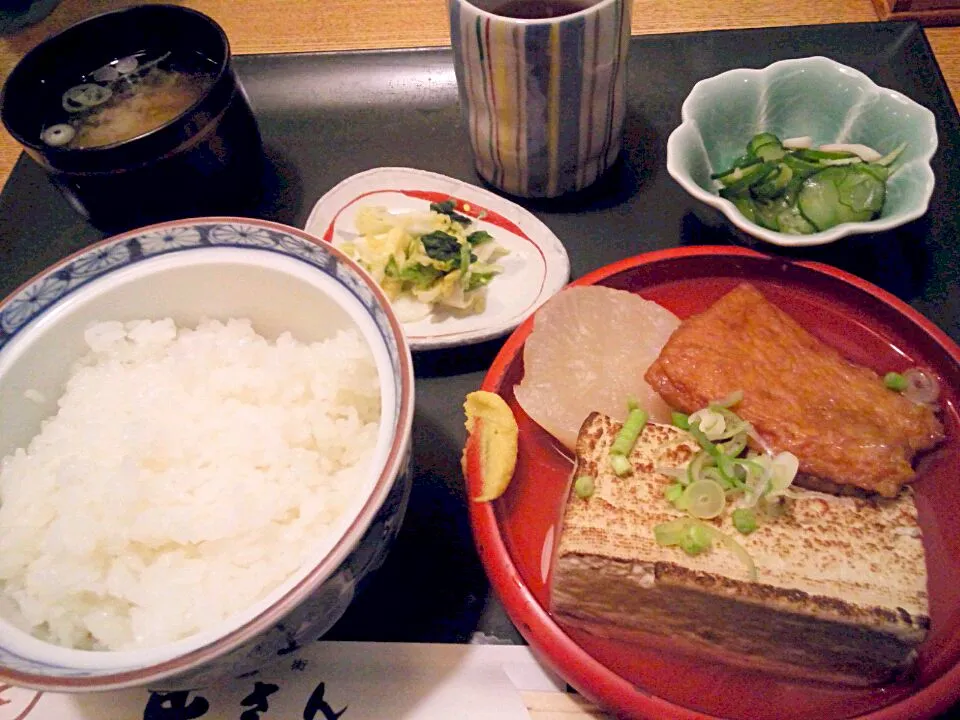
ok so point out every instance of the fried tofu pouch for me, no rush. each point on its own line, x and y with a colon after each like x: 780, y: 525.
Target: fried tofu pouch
x: 846, y: 428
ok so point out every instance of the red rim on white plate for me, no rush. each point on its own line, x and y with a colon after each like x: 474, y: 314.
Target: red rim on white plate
x: 514, y: 534
x: 536, y: 267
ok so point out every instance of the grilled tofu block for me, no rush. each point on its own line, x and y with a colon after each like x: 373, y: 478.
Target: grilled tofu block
x: 841, y: 587
x: 838, y: 418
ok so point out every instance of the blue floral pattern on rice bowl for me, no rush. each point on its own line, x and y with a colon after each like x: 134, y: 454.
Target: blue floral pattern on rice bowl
x: 49, y: 288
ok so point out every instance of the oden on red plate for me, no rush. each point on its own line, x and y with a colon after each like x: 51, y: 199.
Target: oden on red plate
x: 655, y: 676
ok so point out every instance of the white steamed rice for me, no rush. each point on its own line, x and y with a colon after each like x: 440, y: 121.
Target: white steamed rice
x: 186, y: 474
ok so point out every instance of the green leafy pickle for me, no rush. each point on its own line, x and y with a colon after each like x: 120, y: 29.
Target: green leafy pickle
x: 422, y: 276
x: 391, y: 269
x: 449, y: 208
x: 478, y: 280
x: 479, y: 237
x: 441, y: 246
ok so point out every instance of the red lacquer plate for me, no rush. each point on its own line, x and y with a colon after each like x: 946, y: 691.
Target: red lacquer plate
x: 515, y: 534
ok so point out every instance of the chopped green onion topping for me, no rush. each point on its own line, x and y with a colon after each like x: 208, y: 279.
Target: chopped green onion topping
x: 702, y: 440
x: 738, y: 550
x: 736, y: 445
x: 695, y: 537
x: 726, y: 467
x: 750, y: 464
x: 669, y: 533
x: 895, y: 381
x: 922, y: 387
x: 627, y: 437
x: 620, y: 465
x: 673, y: 493
x: 783, y: 470
x: 717, y: 472
x: 695, y: 467
x: 713, y: 474
x: 744, y: 520
x: 680, y: 420
x: 583, y: 486
x: 705, y: 499
x: 710, y: 422
x: 696, y: 540
x: 691, y: 535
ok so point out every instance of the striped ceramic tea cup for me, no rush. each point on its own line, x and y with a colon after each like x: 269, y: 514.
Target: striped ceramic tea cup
x: 542, y: 89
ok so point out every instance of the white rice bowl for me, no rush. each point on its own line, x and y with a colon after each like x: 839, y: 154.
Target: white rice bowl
x: 187, y: 474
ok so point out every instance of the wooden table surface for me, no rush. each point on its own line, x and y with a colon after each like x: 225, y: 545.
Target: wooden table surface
x: 261, y: 26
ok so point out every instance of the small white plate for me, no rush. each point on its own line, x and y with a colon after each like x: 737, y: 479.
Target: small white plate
x: 536, y: 267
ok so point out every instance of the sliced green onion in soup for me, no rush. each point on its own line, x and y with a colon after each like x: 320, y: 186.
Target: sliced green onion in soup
x: 58, y: 135
x: 127, y: 65
x: 85, y: 96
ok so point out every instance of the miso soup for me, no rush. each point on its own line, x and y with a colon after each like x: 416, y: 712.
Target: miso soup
x: 127, y: 97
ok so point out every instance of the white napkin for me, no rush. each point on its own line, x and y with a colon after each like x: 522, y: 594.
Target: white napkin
x: 326, y: 681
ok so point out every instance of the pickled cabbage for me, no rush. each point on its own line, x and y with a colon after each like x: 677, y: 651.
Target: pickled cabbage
x: 426, y: 260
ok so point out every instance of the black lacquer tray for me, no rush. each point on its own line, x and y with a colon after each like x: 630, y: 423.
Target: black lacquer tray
x: 327, y: 116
